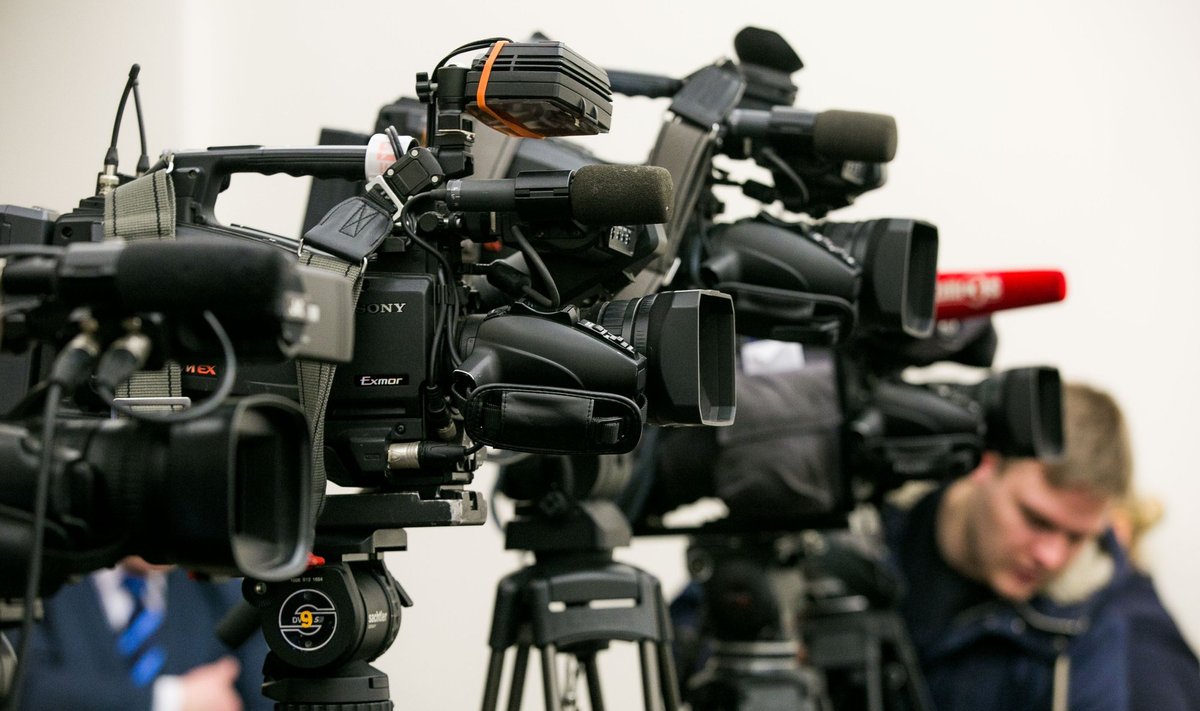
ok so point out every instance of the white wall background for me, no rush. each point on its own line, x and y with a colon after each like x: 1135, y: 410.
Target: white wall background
x: 1056, y: 134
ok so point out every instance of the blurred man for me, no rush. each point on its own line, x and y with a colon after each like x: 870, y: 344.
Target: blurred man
x: 1021, y: 598
x: 140, y: 637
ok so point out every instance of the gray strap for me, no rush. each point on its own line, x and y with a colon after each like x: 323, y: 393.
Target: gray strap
x: 1062, y: 682
x: 141, y: 209
x: 315, y: 379
x: 145, y: 209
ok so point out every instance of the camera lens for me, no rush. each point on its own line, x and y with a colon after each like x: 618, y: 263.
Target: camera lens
x: 688, y: 340
x: 899, y: 259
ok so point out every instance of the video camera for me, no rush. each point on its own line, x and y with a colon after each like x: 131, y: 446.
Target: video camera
x: 195, y: 489
x: 860, y: 297
x: 481, y: 321
x: 223, y: 487
x: 480, y: 313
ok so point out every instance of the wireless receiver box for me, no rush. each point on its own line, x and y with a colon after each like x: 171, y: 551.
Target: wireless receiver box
x: 539, y: 89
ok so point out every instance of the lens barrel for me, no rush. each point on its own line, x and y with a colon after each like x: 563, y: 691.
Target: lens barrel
x: 899, y: 260
x: 1023, y: 408
x: 227, y: 493
x: 688, y: 340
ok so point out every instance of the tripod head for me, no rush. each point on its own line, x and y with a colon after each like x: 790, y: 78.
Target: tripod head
x: 323, y: 628
x: 566, y: 504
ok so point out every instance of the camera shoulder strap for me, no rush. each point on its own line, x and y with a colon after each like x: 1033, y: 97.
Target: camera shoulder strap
x: 315, y: 378
x: 145, y: 209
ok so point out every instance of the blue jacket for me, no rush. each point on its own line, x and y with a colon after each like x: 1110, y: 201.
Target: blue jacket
x: 74, y: 664
x: 1116, y: 649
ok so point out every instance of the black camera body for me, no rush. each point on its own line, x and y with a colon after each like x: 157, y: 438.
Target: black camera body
x: 377, y: 398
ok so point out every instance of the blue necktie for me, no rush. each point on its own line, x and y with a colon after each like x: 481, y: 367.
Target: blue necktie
x: 136, y: 642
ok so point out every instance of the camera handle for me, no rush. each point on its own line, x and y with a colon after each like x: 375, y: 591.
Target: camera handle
x: 200, y: 176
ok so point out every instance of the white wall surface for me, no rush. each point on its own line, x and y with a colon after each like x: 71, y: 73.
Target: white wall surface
x: 1033, y: 134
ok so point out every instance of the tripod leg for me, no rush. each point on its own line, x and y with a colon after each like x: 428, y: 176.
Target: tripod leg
x: 517, y: 689
x: 550, y: 678
x: 592, y: 674
x: 491, y: 689
x: 651, y: 681
x: 670, y: 680
x: 874, y: 670
x: 918, y: 695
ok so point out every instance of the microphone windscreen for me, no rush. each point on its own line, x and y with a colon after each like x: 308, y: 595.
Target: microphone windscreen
x: 621, y: 195
x: 766, y: 48
x: 963, y: 294
x: 855, y: 135
x: 224, y: 275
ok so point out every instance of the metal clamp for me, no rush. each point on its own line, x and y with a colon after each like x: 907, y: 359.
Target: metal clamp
x: 131, y: 402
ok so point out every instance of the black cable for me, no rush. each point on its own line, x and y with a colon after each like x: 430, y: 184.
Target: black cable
x: 477, y: 44
x: 788, y: 172
x: 394, y: 137
x: 493, y: 512
x: 143, y: 163
x: 431, y: 127
x: 411, y: 230
x: 536, y: 297
x: 70, y: 370
x: 41, y: 498
x: 438, y: 325
x: 211, y: 403
x: 535, y: 262
x: 632, y: 499
x: 452, y: 328
x: 110, y: 158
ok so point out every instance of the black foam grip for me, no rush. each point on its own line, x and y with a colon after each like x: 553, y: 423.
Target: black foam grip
x: 766, y: 48
x: 219, y: 274
x: 854, y: 135
x: 621, y: 195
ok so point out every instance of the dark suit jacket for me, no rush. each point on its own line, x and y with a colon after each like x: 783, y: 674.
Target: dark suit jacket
x: 73, y: 661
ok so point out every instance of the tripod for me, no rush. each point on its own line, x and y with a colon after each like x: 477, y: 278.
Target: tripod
x: 575, y: 599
